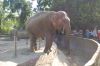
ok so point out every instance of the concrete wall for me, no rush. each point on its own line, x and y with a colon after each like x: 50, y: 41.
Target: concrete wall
x: 83, y: 52
x: 86, y: 49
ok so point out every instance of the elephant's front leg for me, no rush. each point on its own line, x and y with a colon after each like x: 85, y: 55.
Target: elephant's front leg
x: 67, y: 45
x: 33, y: 45
x: 49, y: 40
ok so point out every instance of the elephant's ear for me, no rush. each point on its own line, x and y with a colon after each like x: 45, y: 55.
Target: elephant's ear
x: 53, y: 19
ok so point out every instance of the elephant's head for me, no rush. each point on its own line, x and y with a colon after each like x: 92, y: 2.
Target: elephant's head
x: 60, y: 20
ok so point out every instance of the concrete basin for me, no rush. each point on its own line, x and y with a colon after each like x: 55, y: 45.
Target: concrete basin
x: 83, y: 52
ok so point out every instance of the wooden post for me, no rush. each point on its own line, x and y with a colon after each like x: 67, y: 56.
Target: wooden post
x: 27, y: 42
x: 15, y: 42
x: 39, y: 43
x: 15, y: 46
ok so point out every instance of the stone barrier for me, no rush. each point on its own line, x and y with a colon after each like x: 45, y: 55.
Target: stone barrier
x: 83, y: 52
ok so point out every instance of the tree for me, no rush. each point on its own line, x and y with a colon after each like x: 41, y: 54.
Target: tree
x: 25, y: 12
x: 20, y: 9
x: 44, y: 5
x: 83, y: 13
x: 2, y: 15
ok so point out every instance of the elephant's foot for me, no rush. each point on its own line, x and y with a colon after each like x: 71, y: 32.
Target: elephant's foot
x: 32, y: 49
x: 47, y: 51
x: 35, y: 48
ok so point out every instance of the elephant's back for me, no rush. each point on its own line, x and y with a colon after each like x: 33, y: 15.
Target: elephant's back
x: 38, y: 22
x: 38, y: 18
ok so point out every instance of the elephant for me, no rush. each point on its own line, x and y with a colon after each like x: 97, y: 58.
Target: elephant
x: 47, y: 24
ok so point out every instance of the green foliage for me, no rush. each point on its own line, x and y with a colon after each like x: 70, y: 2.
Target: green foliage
x: 25, y: 12
x: 2, y: 14
x: 8, y: 25
x: 44, y: 5
x: 83, y: 13
x: 58, y: 5
x: 13, y: 12
x: 13, y: 5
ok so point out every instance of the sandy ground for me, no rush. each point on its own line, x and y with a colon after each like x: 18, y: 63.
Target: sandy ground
x: 8, y: 58
x: 55, y: 58
x: 7, y: 52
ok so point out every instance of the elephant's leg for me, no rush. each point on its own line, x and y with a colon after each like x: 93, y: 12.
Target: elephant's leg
x: 33, y: 45
x: 58, y: 41
x: 67, y: 45
x: 63, y: 43
x: 48, y: 45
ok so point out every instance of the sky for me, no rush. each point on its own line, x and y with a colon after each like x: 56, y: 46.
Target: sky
x: 34, y: 3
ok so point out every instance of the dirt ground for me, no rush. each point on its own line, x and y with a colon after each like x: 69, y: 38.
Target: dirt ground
x: 7, y: 52
x: 8, y: 58
x: 55, y: 58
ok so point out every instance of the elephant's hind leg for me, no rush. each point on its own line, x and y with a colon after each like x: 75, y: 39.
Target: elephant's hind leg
x: 33, y: 45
